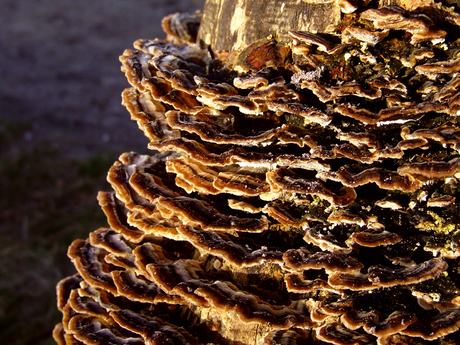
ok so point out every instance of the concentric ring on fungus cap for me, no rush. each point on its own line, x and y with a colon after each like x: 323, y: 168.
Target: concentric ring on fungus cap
x: 304, y: 196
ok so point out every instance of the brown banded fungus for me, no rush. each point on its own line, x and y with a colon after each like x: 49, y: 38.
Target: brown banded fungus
x: 298, y: 193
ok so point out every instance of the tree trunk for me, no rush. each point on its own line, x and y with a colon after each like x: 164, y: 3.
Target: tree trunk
x: 304, y: 192
x: 234, y: 24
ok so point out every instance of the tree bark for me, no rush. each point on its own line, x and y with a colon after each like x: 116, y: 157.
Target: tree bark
x: 233, y: 24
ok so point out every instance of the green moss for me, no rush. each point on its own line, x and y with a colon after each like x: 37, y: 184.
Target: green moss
x: 437, y: 224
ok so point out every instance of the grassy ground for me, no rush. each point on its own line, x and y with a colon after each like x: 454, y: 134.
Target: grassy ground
x: 61, y: 127
x: 45, y: 203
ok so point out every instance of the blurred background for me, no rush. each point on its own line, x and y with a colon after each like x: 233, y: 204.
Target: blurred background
x: 61, y: 128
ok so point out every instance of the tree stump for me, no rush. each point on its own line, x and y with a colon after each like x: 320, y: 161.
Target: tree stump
x: 303, y: 188
x: 235, y: 24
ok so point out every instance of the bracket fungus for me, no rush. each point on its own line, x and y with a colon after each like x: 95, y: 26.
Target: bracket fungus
x: 297, y: 193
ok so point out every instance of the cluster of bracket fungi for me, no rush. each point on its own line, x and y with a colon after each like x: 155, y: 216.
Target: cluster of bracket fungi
x: 298, y: 194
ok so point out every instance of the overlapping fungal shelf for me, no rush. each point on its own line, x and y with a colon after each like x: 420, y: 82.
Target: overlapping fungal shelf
x: 301, y: 194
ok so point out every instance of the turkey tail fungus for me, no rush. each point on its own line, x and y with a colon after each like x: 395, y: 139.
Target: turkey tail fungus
x: 302, y: 185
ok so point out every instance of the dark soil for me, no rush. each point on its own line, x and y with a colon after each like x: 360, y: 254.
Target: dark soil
x: 61, y: 127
